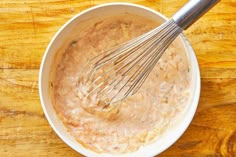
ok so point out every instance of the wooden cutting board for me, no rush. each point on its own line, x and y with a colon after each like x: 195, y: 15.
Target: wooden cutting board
x: 26, y: 27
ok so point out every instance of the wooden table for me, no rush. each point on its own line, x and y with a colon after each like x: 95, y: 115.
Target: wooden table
x: 26, y: 27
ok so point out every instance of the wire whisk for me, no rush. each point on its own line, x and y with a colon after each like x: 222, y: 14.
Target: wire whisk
x: 119, y: 72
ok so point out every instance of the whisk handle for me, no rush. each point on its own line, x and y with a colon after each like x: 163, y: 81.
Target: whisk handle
x: 192, y: 11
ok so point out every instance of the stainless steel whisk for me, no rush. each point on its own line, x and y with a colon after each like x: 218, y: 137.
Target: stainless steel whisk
x: 120, y: 72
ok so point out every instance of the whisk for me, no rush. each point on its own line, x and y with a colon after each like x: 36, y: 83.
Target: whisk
x: 119, y: 72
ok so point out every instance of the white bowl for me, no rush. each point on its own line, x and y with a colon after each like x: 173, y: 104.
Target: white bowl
x: 60, y: 38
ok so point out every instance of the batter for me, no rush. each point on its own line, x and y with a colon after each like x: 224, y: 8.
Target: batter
x: 139, y: 119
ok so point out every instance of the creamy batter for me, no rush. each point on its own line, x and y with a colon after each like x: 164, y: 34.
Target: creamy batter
x: 139, y: 119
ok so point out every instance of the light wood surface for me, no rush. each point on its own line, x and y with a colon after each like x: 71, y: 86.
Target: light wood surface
x: 26, y: 27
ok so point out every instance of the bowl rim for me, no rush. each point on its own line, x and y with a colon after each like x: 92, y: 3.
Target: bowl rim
x: 188, y: 46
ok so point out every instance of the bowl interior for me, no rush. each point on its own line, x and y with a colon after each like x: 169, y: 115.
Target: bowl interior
x: 62, y: 39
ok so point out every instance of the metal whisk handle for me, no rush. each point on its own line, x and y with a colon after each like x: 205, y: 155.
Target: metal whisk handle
x: 192, y: 11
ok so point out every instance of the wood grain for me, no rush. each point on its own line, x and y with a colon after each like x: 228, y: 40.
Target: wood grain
x: 27, y: 26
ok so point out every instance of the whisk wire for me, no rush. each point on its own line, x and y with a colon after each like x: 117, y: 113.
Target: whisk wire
x: 121, y: 71
x: 131, y: 51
